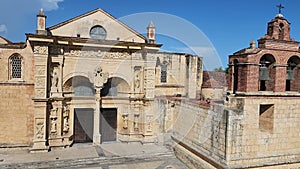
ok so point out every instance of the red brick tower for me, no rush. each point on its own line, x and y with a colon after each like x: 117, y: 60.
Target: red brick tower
x: 272, y: 66
x: 263, y: 101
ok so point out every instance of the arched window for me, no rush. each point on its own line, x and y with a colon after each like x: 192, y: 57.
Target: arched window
x: 163, y: 75
x: 15, y: 62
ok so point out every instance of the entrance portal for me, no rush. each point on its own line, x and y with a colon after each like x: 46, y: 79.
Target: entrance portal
x: 108, y: 124
x: 83, y: 125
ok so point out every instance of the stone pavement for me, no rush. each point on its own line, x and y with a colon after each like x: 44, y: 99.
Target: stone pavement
x: 87, y: 156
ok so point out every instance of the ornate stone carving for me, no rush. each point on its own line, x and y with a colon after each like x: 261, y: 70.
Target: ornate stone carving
x: 115, y: 55
x: 40, y: 70
x: 53, y: 120
x: 39, y: 82
x: 137, y: 79
x: 149, y: 123
x: 100, y: 77
x: 66, y: 118
x: 136, y: 121
x: 137, y: 108
x: 149, y: 83
x: 40, y: 50
x: 150, y: 74
x: 40, y: 93
x: 39, y: 129
x: 99, y: 54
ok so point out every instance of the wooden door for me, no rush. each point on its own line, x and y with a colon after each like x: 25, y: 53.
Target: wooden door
x: 83, y: 125
x: 108, y: 125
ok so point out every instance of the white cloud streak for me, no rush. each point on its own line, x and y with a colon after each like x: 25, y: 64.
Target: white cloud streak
x: 49, y: 5
x: 3, y: 29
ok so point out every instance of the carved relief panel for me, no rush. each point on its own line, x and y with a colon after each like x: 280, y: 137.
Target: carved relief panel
x: 39, y: 128
x: 138, y: 78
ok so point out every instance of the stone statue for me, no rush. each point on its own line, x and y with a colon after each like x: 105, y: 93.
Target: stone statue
x: 54, y: 80
x: 125, y: 121
x: 53, y: 125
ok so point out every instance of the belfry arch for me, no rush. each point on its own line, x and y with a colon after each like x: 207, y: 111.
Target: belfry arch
x: 293, y: 74
x: 267, y: 73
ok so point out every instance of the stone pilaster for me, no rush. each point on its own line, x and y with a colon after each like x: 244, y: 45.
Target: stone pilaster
x: 40, y: 98
x: 192, y: 78
x: 149, y: 79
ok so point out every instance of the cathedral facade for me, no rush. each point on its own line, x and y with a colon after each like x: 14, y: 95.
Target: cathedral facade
x: 89, y: 79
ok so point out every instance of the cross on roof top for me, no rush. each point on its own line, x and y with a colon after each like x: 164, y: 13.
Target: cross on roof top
x: 280, y: 7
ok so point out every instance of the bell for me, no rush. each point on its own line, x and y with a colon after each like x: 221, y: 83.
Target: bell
x: 264, y: 73
x: 289, y: 74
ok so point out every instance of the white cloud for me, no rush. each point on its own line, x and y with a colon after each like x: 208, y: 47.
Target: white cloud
x: 3, y: 29
x: 49, y: 5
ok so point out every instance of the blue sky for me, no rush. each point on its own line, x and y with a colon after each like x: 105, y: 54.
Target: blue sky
x: 227, y: 26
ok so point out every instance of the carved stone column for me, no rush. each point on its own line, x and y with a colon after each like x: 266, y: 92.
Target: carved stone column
x: 40, y: 98
x: 100, y: 78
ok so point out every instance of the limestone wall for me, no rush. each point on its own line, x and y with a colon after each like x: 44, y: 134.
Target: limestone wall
x: 199, y: 131
x: 267, y: 132
x: 16, y: 112
x: 248, y: 132
x: 16, y: 105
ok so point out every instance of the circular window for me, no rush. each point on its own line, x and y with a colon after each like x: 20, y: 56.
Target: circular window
x: 98, y: 32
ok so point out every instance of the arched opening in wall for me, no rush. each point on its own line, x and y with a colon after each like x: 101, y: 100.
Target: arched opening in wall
x: 163, y: 73
x: 116, y: 87
x: 267, y: 73
x: 82, y: 92
x: 235, y: 75
x: 15, y: 66
x: 281, y: 31
x: 293, y: 74
x: 79, y: 86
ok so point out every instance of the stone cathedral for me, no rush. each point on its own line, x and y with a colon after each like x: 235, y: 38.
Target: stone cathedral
x: 89, y: 79
x: 94, y: 79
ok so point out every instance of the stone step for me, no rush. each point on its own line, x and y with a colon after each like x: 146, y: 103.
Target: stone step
x: 93, y: 162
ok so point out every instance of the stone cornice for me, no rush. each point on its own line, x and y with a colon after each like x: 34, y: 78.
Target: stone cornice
x: 91, y: 43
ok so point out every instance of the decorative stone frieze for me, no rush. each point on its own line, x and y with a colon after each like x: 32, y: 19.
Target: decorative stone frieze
x: 98, y: 54
x: 40, y: 50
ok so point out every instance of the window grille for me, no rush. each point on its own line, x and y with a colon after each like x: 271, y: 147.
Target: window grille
x: 16, y: 66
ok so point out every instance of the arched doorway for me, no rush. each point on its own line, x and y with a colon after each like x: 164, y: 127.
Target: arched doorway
x: 82, y: 92
x: 114, y: 93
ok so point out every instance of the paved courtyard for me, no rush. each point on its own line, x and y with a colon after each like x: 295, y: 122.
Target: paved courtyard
x: 87, y: 156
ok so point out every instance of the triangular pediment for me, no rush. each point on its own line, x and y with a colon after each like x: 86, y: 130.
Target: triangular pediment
x: 4, y: 41
x: 81, y: 26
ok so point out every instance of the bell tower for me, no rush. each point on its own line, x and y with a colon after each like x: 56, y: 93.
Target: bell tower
x: 264, y: 97
x: 268, y: 66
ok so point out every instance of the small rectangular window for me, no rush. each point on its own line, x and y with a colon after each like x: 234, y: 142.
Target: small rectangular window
x: 266, y: 117
x: 163, y: 74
